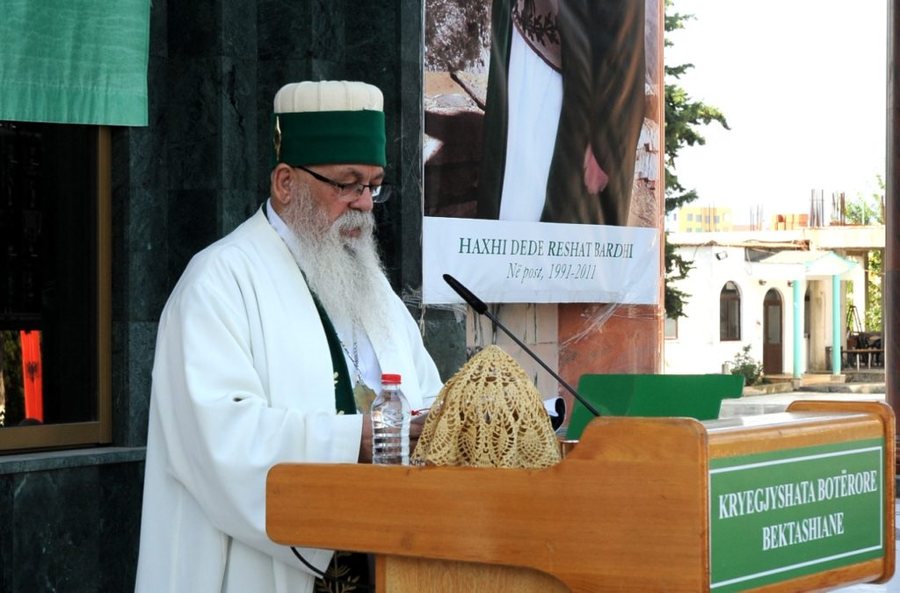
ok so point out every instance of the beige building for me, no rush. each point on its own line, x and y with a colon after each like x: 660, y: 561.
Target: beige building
x: 702, y: 219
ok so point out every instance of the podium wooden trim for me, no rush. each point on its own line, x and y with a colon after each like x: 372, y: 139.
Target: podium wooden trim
x: 626, y: 510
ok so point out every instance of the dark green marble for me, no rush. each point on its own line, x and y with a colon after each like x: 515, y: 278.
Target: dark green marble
x: 74, y: 521
x: 131, y: 382
x: 56, y: 523
x: 7, y: 567
x: 193, y: 124
x: 145, y: 226
x: 192, y: 225
x: 192, y: 30
x: 239, y: 124
x: 119, y: 525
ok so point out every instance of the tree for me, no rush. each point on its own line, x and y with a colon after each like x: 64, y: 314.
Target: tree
x: 683, y: 118
x: 870, y: 211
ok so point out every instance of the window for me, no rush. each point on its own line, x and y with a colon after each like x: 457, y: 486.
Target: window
x: 671, y: 328
x: 806, y: 313
x: 729, y: 313
x: 55, y: 297
x: 690, y: 217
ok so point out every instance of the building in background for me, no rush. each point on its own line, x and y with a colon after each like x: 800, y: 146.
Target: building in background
x: 700, y: 219
x: 746, y: 286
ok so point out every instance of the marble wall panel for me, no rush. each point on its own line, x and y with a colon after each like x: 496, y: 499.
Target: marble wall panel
x: 70, y: 529
x: 239, y: 124
x: 311, y: 30
x: 131, y: 394
x: 146, y: 235
x: 193, y: 124
x: 193, y: 28
x: 239, y: 33
x: 55, y: 520
x: 7, y: 488
x: 119, y: 525
x: 193, y: 223
x: 238, y: 206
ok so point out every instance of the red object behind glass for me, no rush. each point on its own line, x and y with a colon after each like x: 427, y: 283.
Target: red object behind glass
x: 31, y: 374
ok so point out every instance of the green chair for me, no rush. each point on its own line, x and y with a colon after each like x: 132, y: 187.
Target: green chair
x: 691, y: 396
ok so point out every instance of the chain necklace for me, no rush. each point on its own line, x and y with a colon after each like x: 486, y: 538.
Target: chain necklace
x: 363, y: 395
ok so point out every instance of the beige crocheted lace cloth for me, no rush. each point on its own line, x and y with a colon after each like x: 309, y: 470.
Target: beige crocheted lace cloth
x: 489, y: 414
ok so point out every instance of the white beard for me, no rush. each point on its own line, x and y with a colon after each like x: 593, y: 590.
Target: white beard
x: 345, y: 273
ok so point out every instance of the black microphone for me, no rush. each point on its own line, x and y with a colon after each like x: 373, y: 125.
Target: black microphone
x: 479, y: 307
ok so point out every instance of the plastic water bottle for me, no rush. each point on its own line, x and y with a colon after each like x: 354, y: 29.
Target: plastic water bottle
x: 390, y: 423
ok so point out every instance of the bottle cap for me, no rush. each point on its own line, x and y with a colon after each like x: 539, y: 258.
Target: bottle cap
x: 390, y: 378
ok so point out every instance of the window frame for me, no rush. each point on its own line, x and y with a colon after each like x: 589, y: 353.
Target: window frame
x: 99, y: 431
x: 725, y: 299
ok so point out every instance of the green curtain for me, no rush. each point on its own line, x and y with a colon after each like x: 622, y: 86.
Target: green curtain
x: 74, y: 61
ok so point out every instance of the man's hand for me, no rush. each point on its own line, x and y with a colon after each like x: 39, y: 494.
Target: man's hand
x: 365, y: 441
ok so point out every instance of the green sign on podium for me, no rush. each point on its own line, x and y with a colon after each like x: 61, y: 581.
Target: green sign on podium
x: 794, y: 512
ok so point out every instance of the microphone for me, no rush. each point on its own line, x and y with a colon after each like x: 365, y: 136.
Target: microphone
x: 481, y: 308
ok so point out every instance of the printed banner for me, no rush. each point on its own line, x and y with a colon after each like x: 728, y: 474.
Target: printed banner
x: 542, y: 124
x: 530, y: 262
x: 791, y: 513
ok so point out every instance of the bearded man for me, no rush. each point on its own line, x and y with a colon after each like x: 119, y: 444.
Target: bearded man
x: 261, y: 347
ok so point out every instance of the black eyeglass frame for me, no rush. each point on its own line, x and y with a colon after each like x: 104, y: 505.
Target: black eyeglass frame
x: 380, y: 193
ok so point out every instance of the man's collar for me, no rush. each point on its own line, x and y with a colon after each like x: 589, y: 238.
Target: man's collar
x: 284, y: 231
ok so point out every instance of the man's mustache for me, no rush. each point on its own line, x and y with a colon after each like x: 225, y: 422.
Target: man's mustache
x: 353, y: 219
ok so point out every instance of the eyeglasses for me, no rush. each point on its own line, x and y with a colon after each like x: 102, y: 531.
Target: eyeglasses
x: 349, y: 192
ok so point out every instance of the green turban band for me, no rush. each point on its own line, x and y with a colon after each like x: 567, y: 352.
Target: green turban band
x: 329, y: 137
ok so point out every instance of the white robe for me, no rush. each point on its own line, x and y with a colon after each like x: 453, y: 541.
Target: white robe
x: 243, y: 380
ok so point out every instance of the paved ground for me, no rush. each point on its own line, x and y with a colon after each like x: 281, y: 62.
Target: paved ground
x: 778, y: 401
x: 776, y: 397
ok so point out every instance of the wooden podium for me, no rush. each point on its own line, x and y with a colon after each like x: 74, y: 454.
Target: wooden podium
x: 798, y: 501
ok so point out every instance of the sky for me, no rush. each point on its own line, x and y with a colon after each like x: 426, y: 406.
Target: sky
x: 802, y: 84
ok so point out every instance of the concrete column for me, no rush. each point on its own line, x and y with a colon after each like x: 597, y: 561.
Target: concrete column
x: 892, y: 215
x: 835, y: 325
x: 798, y: 327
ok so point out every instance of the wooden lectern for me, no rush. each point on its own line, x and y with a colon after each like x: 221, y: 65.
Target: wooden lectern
x: 797, y: 501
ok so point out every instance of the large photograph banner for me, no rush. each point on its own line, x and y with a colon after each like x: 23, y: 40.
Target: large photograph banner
x: 542, y: 150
